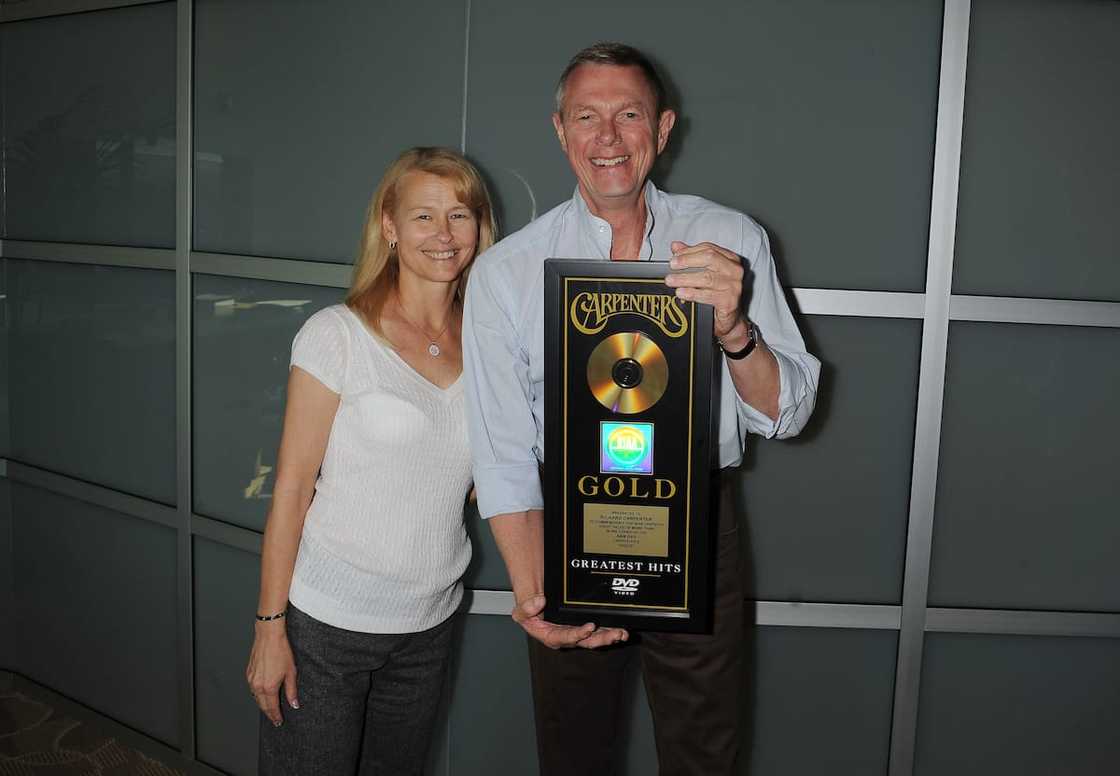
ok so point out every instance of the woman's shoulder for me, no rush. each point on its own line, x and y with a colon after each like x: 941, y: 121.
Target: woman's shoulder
x: 340, y: 334
x: 330, y: 322
x: 332, y: 316
x: 323, y: 333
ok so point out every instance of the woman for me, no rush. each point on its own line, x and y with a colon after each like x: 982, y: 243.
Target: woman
x: 358, y: 584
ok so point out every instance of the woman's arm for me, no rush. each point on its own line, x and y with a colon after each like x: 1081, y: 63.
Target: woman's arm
x: 308, y: 417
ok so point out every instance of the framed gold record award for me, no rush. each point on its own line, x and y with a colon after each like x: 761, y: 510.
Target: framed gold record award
x: 630, y: 414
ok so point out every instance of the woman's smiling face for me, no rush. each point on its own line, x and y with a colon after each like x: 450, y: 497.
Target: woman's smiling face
x: 436, y: 234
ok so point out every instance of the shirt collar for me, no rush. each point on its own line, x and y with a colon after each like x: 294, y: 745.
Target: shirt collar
x: 590, y: 225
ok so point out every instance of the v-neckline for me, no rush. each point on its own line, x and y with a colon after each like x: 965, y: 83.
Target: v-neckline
x: 407, y: 367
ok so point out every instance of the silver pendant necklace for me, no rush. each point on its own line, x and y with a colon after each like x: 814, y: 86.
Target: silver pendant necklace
x: 433, y: 346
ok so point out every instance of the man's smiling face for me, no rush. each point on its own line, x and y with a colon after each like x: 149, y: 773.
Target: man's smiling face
x: 610, y: 130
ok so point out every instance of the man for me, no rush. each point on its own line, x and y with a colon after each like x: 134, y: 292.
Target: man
x: 612, y: 122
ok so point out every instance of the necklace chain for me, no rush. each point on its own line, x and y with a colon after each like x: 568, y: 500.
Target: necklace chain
x: 433, y: 348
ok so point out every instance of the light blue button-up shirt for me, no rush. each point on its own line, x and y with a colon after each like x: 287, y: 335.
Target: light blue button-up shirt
x: 503, y: 337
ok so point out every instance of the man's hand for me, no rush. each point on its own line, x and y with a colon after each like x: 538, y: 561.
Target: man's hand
x: 527, y: 614
x: 715, y: 277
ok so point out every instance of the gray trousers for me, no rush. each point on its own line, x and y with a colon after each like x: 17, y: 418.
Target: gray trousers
x: 368, y: 701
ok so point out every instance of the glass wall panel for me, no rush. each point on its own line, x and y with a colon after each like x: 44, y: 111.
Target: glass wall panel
x: 7, y: 579
x: 491, y: 716
x: 1038, y: 193
x: 487, y: 570
x: 299, y: 108
x: 815, y: 117
x: 243, y: 332
x: 95, y: 597
x: 89, y: 130
x: 226, y: 581
x: 1026, y: 705
x: 826, y: 512
x: 5, y: 418
x: 1026, y: 496
x: 819, y: 701
x: 92, y: 386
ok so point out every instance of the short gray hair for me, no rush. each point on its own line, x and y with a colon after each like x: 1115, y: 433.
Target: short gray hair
x: 620, y: 55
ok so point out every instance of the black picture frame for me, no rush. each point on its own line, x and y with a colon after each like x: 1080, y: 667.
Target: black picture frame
x: 651, y: 561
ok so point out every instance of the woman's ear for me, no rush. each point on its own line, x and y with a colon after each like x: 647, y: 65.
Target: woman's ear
x: 388, y: 229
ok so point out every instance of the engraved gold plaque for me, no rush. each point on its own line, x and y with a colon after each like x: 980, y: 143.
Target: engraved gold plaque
x: 626, y: 529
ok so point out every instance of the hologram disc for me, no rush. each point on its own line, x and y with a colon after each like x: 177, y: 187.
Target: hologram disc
x: 627, y: 346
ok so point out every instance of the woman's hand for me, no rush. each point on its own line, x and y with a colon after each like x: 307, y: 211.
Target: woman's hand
x: 271, y: 666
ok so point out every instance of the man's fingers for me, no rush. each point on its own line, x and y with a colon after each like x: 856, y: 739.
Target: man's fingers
x: 556, y: 636
x: 684, y: 253
x: 604, y: 637
x: 706, y: 267
x: 702, y: 295
x: 694, y: 277
x: 726, y: 302
x: 564, y: 636
x: 684, y: 250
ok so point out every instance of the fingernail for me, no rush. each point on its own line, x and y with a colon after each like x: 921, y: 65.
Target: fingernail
x: 295, y: 703
x: 277, y: 724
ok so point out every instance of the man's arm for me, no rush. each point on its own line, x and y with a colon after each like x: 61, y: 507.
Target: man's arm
x: 776, y: 384
x: 503, y: 435
x: 756, y: 377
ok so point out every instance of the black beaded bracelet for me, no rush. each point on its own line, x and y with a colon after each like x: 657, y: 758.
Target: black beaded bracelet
x: 267, y: 618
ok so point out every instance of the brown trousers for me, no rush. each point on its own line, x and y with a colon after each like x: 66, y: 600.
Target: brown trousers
x: 693, y: 682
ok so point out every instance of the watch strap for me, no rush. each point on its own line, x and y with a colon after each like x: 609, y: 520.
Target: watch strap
x: 746, y: 350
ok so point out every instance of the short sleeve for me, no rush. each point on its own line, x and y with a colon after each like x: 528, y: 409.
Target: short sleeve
x: 322, y: 348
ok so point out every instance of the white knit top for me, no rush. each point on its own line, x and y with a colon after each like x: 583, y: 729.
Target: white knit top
x: 383, y: 544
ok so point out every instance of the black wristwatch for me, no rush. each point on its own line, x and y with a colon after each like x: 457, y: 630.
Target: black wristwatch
x: 752, y: 341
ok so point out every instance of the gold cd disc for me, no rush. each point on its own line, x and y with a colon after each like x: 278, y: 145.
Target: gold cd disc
x: 627, y: 372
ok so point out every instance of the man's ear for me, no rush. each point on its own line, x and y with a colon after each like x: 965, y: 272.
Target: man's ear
x: 665, y: 124
x: 558, y: 125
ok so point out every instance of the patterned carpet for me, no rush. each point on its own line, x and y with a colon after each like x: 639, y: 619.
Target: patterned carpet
x: 37, y: 741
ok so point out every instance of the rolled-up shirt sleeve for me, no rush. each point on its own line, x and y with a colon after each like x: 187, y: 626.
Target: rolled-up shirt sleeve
x: 498, y: 392
x: 799, y: 371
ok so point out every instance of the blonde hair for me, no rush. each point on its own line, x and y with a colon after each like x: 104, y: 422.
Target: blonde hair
x: 376, y: 270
